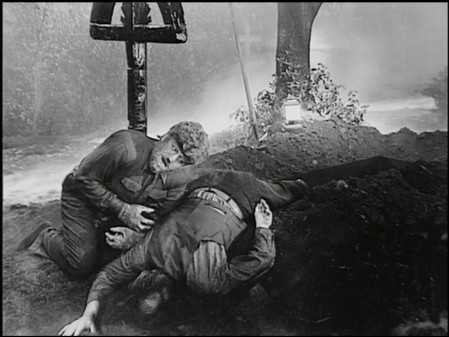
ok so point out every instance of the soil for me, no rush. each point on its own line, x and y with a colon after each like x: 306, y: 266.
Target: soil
x: 361, y: 256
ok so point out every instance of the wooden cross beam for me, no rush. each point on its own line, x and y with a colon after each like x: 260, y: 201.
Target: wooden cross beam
x: 136, y: 30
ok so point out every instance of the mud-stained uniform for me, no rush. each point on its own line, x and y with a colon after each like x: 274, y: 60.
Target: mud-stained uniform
x: 193, y: 242
x: 116, y: 172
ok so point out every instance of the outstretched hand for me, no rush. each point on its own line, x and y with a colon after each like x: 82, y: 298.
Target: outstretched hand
x: 76, y: 328
x: 263, y: 215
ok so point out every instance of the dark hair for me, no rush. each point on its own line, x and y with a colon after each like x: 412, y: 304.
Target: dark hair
x: 192, y: 139
x: 150, y: 280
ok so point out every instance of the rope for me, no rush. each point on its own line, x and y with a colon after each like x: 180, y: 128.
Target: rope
x: 252, y: 113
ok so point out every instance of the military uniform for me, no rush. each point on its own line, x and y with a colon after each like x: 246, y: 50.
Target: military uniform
x: 116, y: 172
x: 191, y: 242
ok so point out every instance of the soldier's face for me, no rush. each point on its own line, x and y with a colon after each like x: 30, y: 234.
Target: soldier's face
x: 166, y: 156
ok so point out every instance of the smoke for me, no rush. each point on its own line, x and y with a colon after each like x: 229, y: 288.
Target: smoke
x: 222, y: 96
x: 209, y: 25
x: 385, y: 51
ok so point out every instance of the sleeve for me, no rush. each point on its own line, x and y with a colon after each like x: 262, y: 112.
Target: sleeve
x: 277, y: 194
x: 123, y: 269
x: 99, y: 166
x: 176, y: 186
x: 280, y: 194
x: 211, y: 273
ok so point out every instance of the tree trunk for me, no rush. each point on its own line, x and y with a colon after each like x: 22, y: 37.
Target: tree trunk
x: 295, y: 21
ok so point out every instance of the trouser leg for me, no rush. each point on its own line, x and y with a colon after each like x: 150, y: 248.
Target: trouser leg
x: 74, y: 247
x: 106, y: 253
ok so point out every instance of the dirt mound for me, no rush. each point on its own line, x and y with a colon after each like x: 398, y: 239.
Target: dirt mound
x: 360, y: 256
x: 367, y: 253
x: 318, y: 144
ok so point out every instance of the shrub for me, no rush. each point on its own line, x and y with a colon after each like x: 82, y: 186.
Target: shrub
x: 317, y: 92
x: 321, y: 95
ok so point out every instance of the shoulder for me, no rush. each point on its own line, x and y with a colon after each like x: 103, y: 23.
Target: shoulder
x: 129, y: 135
x: 177, y: 178
x: 131, y: 139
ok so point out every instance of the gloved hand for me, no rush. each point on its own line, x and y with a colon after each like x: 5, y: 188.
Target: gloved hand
x: 124, y: 238
x: 131, y: 215
x: 263, y: 215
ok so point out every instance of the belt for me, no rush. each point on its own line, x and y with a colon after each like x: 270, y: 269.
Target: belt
x: 210, y: 193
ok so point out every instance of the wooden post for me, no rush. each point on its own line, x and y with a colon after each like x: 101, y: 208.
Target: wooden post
x: 136, y: 32
x: 136, y: 53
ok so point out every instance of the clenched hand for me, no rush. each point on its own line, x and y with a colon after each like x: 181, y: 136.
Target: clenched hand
x: 123, y: 238
x: 132, y: 216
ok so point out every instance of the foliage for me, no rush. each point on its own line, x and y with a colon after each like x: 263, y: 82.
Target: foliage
x: 437, y: 89
x: 322, y: 96
x: 263, y: 106
x: 317, y: 92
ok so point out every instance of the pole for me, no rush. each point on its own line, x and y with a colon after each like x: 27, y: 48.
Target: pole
x: 137, y: 68
x: 252, y: 113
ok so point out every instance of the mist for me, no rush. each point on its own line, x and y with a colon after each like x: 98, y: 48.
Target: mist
x: 385, y: 51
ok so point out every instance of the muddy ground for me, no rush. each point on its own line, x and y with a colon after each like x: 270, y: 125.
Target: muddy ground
x: 362, y: 256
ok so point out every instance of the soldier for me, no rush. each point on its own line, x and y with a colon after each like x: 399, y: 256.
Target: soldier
x: 122, y: 179
x: 193, y: 242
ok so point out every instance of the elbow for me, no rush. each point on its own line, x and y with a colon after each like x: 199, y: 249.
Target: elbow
x: 80, y: 181
x: 267, y: 259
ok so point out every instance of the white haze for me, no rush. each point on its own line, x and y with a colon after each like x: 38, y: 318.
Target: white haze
x: 386, y: 58
x: 386, y: 68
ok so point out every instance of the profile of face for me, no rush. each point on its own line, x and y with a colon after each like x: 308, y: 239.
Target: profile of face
x: 167, y: 156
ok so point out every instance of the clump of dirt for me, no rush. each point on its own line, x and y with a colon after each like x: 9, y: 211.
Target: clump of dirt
x: 367, y: 253
x: 360, y: 256
x: 317, y: 144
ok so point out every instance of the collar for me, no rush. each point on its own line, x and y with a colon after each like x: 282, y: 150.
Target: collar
x: 164, y: 176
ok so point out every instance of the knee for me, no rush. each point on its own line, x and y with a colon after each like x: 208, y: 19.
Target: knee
x: 83, y: 263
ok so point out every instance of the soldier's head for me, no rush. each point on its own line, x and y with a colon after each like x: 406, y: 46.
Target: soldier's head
x: 152, y: 289
x: 186, y: 143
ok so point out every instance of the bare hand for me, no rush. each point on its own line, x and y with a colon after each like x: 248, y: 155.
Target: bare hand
x: 132, y: 216
x: 263, y: 215
x: 124, y: 238
x: 76, y: 328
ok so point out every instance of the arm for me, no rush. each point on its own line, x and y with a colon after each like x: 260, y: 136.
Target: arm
x: 114, y: 153
x: 245, y: 268
x: 176, y: 186
x: 123, y: 269
x: 247, y: 189
x: 99, y: 166
x: 280, y: 194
